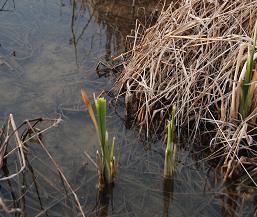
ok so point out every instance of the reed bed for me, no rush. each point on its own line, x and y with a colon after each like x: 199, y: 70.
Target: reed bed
x: 194, y: 58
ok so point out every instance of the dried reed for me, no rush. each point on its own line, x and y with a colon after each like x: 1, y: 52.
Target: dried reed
x: 191, y: 57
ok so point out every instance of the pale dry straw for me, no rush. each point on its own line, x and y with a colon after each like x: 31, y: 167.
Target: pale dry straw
x: 192, y: 57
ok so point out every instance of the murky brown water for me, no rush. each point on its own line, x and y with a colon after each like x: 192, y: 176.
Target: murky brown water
x: 41, y: 73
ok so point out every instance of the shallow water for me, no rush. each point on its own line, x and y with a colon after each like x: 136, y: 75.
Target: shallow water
x: 42, y: 71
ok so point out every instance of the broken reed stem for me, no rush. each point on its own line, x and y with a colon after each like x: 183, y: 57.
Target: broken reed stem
x: 20, y: 148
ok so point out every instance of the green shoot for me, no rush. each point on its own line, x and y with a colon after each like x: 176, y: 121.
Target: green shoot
x: 246, y: 89
x: 102, y: 133
x: 170, y: 152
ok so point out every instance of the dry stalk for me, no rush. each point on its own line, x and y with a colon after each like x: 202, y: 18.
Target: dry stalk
x: 187, y: 58
x: 58, y: 168
x: 192, y: 57
x: 19, y: 147
x: 15, y: 145
x: 7, y: 209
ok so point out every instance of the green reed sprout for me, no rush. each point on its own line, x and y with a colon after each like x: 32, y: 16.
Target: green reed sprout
x: 170, y: 152
x: 247, y: 89
x: 102, y: 133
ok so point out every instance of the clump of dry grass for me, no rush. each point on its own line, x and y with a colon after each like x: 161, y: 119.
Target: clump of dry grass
x: 192, y: 57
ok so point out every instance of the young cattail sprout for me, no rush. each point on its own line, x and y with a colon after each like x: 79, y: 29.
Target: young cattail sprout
x: 170, y: 152
x: 106, y: 171
x: 248, y: 84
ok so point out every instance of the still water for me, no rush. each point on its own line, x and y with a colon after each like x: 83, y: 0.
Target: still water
x: 49, y: 50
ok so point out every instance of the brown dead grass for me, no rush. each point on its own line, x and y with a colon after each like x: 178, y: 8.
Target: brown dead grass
x: 193, y: 57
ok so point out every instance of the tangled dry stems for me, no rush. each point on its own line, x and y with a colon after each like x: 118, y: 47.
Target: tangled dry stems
x: 193, y: 57
x: 15, y: 163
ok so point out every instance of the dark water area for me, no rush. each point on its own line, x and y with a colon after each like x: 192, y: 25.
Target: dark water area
x: 48, y: 52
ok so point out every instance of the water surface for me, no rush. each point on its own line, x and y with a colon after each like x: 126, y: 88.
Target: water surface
x: 49, y: 51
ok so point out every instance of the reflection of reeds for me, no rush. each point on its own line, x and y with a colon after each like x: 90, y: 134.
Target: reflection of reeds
x: 119, y: 18
x: 168, y: 187
x: 102, y: 200
x: 3, y: 6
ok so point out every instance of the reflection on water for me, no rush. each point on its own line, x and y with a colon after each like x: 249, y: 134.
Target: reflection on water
x: 168, y: 189
x: 48, y: 52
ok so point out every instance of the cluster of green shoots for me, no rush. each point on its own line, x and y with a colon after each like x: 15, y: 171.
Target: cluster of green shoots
x: 170, y: 152
x: 105, y: 161
x: 248, y: 84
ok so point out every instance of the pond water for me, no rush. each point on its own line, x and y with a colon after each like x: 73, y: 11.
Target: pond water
x: 49, y: 50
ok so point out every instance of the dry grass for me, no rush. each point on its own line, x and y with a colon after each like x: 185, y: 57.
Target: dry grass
x: 193, y: 58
